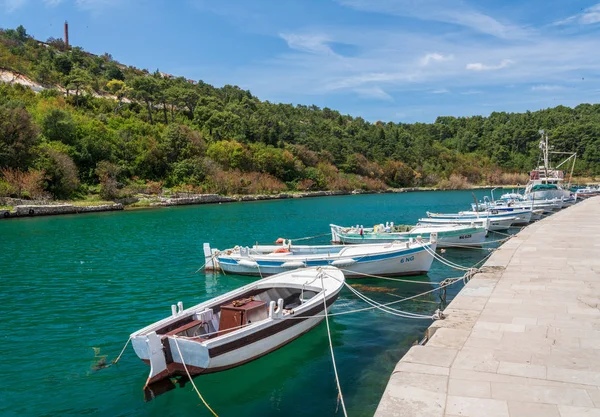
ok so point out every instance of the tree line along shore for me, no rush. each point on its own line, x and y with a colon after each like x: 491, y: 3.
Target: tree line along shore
x: 84, y: 127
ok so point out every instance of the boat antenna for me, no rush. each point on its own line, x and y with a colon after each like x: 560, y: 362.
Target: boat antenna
x: 544, y: 147
x: 476, y: 205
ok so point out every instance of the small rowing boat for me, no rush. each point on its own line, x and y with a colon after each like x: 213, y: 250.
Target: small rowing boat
x: 412, y: 257
x: 447, y: 235
x: 236, y: 327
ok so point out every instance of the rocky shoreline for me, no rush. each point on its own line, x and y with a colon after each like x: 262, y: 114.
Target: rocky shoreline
x: 26, y: 208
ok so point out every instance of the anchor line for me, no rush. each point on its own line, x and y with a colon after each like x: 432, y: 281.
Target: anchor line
x: 191, y: 380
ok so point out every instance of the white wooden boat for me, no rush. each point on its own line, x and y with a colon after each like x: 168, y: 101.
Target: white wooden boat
x: 511, y: 203
x: 519, y: 216
x: 413, y: 257
x: 239, y: 326
x: 447, y: 235
x: 492, y: 224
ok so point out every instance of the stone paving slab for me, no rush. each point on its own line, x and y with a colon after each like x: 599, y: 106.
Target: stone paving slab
x: 522, y: 339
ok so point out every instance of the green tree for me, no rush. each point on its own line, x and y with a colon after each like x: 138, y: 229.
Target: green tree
x: 58, y: 125
x: 18, y: 136
x: 78, y: 80
x: 145, y: 89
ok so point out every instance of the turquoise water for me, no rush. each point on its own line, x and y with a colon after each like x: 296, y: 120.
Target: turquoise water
x: 69, y: 284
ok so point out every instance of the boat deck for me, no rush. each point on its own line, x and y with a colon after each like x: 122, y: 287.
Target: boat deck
x: 522, y: 338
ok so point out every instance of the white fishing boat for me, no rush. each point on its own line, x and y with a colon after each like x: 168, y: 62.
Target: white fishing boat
x: 586, y: 192
x: 506, y: 203
x: 447, y: 236
x: 237, y: 327
x: 413, y: 257
x: 492, y: 224
x: 518, y: 216
x: 546, y: 182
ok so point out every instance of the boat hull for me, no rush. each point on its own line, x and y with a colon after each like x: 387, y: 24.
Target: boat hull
x: 416, y: 261
x: 237, y: 352
x: 184, y: 342
x: 467, y: 237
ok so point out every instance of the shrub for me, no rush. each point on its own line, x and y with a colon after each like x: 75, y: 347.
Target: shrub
x: 455, y: 182
x: 23, y: 184
x: 107, y: 173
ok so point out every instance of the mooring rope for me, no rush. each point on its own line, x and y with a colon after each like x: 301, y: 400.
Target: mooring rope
x: 309, y: 237
x: 358, y: 310
x: 410, y: 281
x: 389, y: 310
x: 191, y: 380
x: 337, y: 379
x: 122, y: 351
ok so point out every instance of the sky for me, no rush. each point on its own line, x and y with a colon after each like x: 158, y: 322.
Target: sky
x: 391, y: 60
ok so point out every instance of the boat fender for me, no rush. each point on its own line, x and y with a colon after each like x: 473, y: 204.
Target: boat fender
x: 31, y: 212
x: 280, y: 307
x: 180, y: 307
x: 173, y: 310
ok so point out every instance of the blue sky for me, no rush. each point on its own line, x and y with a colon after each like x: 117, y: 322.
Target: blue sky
x: 391, y: 60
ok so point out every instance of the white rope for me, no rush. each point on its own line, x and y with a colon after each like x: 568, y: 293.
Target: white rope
x: 310, y: 237
x: 337, y: 379
x: 410, y: 281
x: 191, y: 380
x: 341, y: 313
x: 445, y: 261
x: 122, y: 351
x: 385, y: 309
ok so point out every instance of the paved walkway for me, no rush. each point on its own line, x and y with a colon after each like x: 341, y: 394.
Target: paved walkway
x: 521, y: 339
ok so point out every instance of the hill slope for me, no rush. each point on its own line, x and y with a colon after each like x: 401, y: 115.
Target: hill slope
x: 98, y: 121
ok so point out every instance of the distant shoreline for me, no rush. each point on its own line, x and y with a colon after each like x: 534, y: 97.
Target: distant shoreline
x: 25, y: 208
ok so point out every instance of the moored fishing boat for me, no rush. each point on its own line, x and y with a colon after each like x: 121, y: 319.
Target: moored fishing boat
x: 546, y: 182
x: 237, y: 327
x: 507, y: 203
x: 447, y: 236
x: 587, y: 192
x: 490, y: 223
x: 413, y: 257
x: 518, y: 216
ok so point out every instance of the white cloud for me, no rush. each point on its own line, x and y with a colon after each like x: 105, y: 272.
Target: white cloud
x: 316, y: 44
x: 52, y: 3
x: 440, y: 91
x: 100, y: 6
x: 448, y: 11
x: 434, y: 57
x: 374, y: 93
x: 471, y: 92
x: 589, y: 16
x: 547, y: 87
x: 11, y: 5
x: 478, y: 66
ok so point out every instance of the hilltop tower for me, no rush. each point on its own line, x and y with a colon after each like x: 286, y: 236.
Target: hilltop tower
x: 66, y: 34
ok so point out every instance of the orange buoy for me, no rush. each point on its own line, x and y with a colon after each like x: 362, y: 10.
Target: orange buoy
x: 281, y: 250
x: 280, y: 240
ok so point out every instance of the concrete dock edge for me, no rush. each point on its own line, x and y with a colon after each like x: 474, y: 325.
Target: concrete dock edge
x: 521, y: 338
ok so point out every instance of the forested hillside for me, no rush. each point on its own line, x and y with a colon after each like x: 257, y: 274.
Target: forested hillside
x: 99, y: 126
